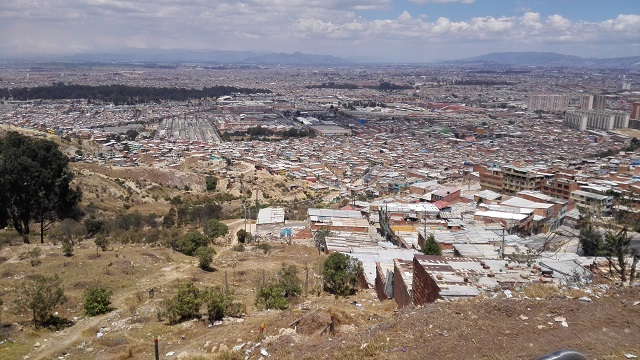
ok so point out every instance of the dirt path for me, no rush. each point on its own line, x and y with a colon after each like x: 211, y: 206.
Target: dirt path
x: 63, y: 340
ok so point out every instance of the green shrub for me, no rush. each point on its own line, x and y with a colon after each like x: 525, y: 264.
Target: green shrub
x: 430, y: 246
x: 190, y: 242
x: 67, y: 248
x: 271, y: 296
x: 97, y: 300
x: 221, y: 303
x: 243, y: 236
x: 341, y: 274
x: 185, y: 304
x: 265, y: 248
x: 277, y: 293
x: 205, y: 257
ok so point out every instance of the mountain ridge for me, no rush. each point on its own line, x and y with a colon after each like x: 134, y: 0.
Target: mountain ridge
x: 533, y: 58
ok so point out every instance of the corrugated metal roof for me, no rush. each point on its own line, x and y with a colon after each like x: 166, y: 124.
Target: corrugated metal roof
x: 270, y: 216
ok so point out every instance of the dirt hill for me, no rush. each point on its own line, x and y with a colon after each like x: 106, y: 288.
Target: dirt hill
x: 604, y: 326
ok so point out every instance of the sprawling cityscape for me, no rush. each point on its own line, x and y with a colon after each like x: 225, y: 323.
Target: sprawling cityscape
x: 208, y: 204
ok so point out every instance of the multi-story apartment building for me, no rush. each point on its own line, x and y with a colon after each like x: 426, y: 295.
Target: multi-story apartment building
x: 560, y: 186
x: 516, y: 179
x: 549, y: 102
x: 594, y: 203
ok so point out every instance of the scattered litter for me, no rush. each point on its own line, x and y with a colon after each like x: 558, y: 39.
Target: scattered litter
x: 264, y: 352
x: 358, y: 305
x: 364, y: 345
x: 99, y: 335
x: 630, y: 356
x: 636, y: 303
x: 508, y: 293
x: 559, y: 319
x: 170, y: 353
x: 564, y: 324
x: 238, y: 347
x: 586, y: 299
x: 522, y: 317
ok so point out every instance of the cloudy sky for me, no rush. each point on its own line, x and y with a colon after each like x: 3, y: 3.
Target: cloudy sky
x: 390, y: 30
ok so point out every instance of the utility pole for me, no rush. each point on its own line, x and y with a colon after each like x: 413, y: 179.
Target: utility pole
x: 244, y: 205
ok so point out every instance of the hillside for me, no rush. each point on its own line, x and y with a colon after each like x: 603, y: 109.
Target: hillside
x: 522, y: 327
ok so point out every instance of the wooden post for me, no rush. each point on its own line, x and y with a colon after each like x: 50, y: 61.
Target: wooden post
x: 332, y: 327
x: 155, y: 342
x: 306, y: 280
x: 226, y: 283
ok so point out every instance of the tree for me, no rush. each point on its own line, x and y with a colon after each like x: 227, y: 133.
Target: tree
x: 185, y: 304
x: 97, y: 300
x: 170, y: 219
x: 243, y: 235
x: 131, y: 134
x: 590, y: 237
x: 35, y: 184
x: 590, y: 241
x: 290, y: 282
x: 205, y: 257
x: 211, y: 183
x: 617, y: 246
x: 190, y: 242
x: 40, y: 296
x: 319, y: 239
x: 341, y: 274
x: 430, y: 246
x: 214, y: 229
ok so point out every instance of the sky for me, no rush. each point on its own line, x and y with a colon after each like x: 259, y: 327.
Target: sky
x: 385, y: 30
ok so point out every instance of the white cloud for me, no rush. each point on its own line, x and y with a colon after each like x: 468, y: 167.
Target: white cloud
x: 317, y: 26
x: 444, y: 1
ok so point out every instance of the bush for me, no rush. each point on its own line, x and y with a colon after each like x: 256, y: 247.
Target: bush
x: 276, y: 294
x: 93, y: 226
x: 265, y: 248
x: 205, y: 257
x: 102, y: 242
x: 67, y: 248
x: 221, y: 303
x: 238, y: 247
x: 97, y: 300
x: 40, y: 296
x: 211, y: 183
x: 190, y: 242
x: 289, y: 280
x: 341, y: 274
x: 271, y: 296
x: 243, y: 236
x: 185, y: 304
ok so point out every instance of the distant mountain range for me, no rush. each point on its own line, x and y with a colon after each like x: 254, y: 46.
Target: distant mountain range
x: 546, y: 59
x: 209, y: 56
x: 253, y: 58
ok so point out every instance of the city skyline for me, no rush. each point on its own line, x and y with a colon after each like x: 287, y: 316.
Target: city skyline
x: 380, y: 30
